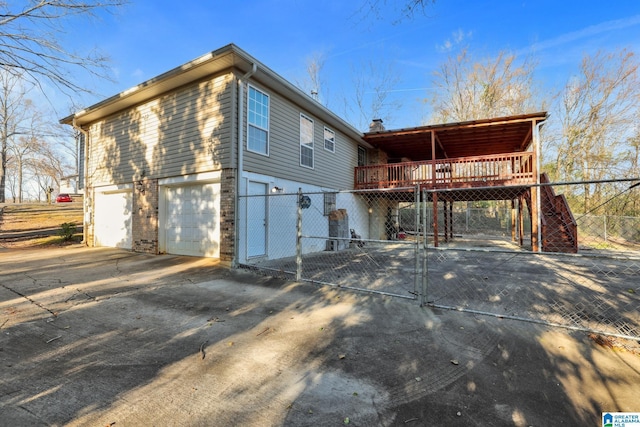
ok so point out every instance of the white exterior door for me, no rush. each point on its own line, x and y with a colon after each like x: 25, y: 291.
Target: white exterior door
x: 112, y: 219
x: 192, y: 225
x: 257, y: 219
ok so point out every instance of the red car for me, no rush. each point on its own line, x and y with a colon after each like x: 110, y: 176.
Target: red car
x: 63, y: 198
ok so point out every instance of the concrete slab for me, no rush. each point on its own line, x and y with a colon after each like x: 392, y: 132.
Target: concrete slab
x: 108, y: 337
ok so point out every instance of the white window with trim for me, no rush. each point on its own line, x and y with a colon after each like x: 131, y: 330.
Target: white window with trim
x: 306, y: 141
x: 258, y: 121
x: 329, y: 140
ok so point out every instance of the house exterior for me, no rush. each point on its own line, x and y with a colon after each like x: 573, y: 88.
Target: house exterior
x: 166, y: 162
x: 183, y: 162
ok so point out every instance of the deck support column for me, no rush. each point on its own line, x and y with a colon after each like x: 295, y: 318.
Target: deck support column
x: 513, y: 220
x: 535, y: 219
x: 535, y: 191
x: 435, y: 219
x: 521, y: 220
x: 451, y: 219
x: 445, y: 204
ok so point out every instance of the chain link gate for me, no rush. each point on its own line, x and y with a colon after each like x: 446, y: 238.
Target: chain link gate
x: 586, y: 276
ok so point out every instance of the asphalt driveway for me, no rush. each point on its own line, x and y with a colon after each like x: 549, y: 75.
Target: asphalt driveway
x: 104, y: 337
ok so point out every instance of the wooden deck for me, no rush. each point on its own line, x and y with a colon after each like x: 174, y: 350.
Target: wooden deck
x: 511, y: 169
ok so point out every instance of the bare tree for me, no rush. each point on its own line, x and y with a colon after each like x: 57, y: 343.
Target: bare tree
x: 597, y: 109
x: 373, y: 83
x: 12, y: 180
x: 28, y: 142
x: 313, y: 84
x: 12, y: 100
x: 400, y: 10
x: 47, y: 169
x: 30, y: 33
x: 468, y: 90
x: 21, y: 148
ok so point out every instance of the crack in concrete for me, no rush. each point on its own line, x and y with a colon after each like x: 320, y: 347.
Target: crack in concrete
x: 29, y: 299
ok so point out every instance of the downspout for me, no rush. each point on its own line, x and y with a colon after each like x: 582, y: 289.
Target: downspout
x: 240, y: 162
x: 85, y: 198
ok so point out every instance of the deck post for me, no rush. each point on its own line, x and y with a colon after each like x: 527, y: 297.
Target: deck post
x: 434, y: 196
x: 451, y: 219
x: 446, y: 219
x: 521, y: 220
x: 513, y: 220
x: 535, y: 219
x: 535, y: 191
x: 433, y: 159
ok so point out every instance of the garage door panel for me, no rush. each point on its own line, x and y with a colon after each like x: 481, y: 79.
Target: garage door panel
x: 193, y: 220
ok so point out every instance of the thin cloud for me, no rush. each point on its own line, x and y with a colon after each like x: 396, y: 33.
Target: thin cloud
x: 457, y: 38
x: 590, y: 31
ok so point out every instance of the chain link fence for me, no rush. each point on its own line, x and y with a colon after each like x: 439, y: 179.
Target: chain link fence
x: 357, y: 240
x: 535, y: 253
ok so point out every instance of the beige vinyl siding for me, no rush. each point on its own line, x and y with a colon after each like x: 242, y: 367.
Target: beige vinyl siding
x: 332, y: 170
x: 183, y: 132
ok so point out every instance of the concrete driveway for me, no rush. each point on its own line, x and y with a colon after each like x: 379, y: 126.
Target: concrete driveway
x: 104, y: 337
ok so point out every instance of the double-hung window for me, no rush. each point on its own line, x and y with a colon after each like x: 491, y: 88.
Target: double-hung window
x: 306, y: 141
x: 258, y: 118
x: 329, y: 140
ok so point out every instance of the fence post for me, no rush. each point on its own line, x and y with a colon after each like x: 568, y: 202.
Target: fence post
x: 416, y: 280
x: 299, y: 238
x: 423, y: 293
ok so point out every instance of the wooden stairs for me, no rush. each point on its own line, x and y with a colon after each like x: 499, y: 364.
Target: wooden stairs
x: 559, y: 228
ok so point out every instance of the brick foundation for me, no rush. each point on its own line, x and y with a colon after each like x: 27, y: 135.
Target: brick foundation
x: 144, y: 218
x: 227, y: 214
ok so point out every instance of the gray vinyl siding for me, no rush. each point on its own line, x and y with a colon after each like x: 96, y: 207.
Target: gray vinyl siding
x: 331, y: 170
x: 184, y: 132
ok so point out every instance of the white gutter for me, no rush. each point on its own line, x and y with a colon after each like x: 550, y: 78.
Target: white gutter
x: 85, y: 198
x: 240, y: 161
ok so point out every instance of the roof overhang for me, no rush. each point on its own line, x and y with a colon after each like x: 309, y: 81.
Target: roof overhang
x: 462, y: 139
x: 226, y: 58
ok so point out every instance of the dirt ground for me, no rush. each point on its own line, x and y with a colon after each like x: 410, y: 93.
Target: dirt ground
x: 104, y: 337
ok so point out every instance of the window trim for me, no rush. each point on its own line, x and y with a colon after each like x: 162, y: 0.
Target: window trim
x: 329, y: 200
x: 363, y: 151
x: 249, y: 124
x: 313, y: 162
x: 325, y: 139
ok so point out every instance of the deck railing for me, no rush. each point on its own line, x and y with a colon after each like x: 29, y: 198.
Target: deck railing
x: 477, y: 171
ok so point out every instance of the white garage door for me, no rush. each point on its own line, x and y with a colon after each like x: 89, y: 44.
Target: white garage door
x: 112, y: 219
x: 193, y: 220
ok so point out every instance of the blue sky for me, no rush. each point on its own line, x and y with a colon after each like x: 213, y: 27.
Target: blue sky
x: 149, y: 37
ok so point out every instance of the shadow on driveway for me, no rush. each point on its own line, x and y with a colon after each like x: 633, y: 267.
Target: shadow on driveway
x: 109, y: 337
